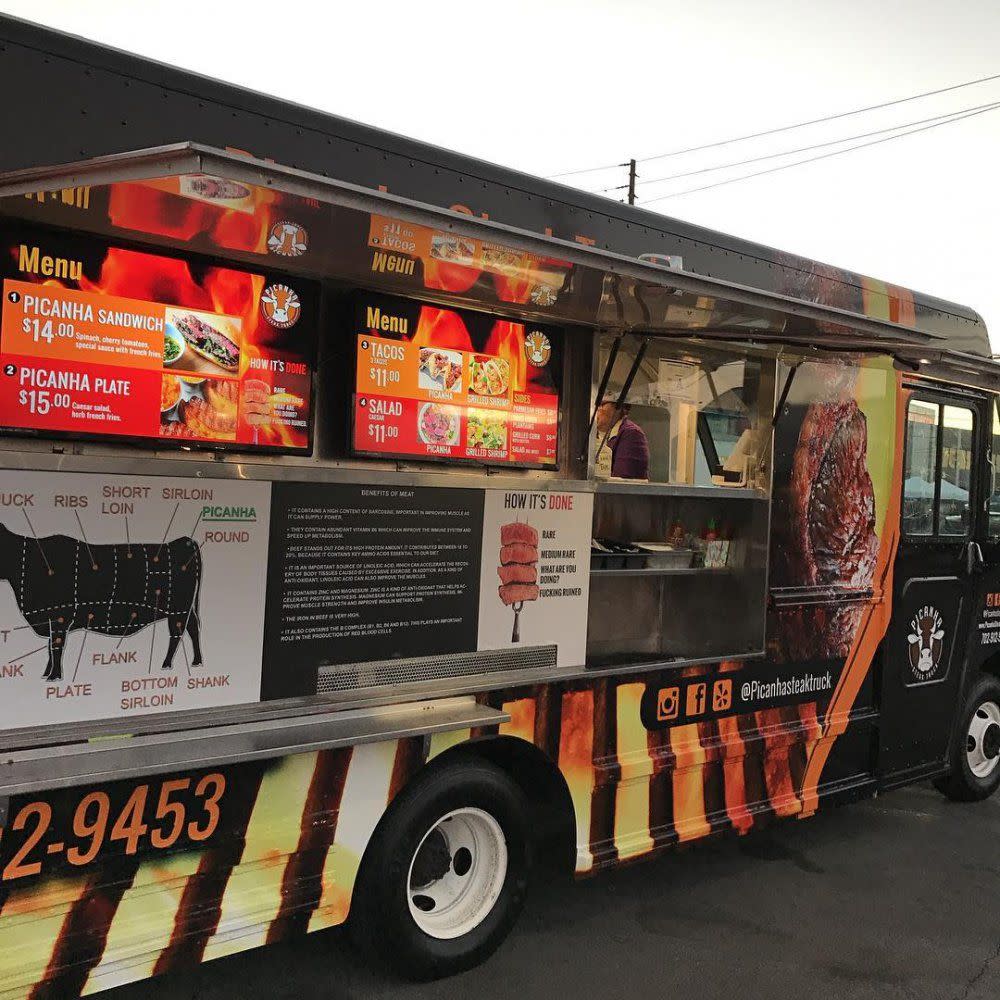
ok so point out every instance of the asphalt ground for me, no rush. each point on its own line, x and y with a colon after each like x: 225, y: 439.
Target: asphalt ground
x: 893, y: 898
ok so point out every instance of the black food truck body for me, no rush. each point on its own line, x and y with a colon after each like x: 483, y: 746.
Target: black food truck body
x: 324, y: 594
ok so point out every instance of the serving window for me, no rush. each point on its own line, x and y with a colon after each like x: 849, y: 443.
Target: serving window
x: 680, y: 448
x: 664, y: 413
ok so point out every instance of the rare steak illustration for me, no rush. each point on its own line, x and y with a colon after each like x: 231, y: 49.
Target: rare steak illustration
x: 517, y: 569
x: 831, y: 540
x: 62, y: 585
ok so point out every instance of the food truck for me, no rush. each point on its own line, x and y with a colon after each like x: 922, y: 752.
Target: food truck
x: 329, y: 594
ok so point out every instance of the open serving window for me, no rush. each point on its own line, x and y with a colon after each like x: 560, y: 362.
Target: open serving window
x: 704, y: 411
x: 680, y: 450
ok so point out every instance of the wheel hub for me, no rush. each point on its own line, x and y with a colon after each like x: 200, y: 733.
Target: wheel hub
x: 457, y: 873
x: 991, y: 741
x: 982, y: 742
x: 433, y: 860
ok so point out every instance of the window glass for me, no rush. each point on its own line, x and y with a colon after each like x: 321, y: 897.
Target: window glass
x: 691, y: 416
x: 956, y: 471
x: 937, y: 483
x: 922, y: 420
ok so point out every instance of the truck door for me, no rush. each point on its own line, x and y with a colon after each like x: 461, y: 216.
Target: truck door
x: 984, y: 627
x: 938, y: 560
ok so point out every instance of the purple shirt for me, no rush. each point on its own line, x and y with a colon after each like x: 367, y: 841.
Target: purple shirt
x: 629, y: 451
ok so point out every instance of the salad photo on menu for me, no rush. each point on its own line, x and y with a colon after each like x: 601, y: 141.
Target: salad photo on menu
x: 438, y: 424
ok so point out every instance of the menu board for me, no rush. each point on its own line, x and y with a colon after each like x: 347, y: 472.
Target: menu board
x: 101, y: 340
x: 454, y: 385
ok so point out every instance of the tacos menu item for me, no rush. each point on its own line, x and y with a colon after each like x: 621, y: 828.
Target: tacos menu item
x: 452, y: 248
x: 210, y: 343
x: 441, y: 367
x: 489, y: 376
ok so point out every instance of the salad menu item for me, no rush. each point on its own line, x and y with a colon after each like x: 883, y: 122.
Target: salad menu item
x: 438, y: 425
x: 452, y: 384
x: 100, y: 340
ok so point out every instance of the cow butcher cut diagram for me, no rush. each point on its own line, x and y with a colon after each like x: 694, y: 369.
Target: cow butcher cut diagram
x: 62, y: 585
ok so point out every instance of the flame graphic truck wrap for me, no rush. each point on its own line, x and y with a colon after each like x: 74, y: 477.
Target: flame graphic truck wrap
x: 359, y: 544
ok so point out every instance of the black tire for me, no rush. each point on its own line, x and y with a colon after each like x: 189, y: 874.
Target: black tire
x: 380, y: 922
x: 960, y: 783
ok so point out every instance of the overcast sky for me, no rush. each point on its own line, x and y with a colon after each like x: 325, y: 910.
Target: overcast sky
x: 552, y: 86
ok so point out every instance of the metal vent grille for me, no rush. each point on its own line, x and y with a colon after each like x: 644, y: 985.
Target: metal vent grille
x: 381, y: 673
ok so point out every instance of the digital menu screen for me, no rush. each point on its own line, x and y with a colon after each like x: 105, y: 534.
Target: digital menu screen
x: 455, y: 385
x: 102, y: 340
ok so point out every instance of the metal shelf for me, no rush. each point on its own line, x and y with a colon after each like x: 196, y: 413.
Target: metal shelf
x: 628, y: 663
x: 680, y: 490
x: 23, y: 771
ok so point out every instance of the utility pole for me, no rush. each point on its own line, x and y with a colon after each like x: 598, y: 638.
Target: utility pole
x: 631, y: 182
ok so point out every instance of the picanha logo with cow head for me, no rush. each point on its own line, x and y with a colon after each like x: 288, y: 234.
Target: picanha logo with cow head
x: 926, y: 643
x: 280, y: 306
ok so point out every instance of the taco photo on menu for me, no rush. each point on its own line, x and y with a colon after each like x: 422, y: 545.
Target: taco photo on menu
x: 440, y: 370
x: 489, y: 376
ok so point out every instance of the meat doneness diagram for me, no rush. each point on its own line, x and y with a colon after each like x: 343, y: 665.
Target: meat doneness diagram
x: 63, y: 585
x: 518, y: 570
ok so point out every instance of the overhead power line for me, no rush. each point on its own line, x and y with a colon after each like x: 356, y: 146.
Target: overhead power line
x: 586, y: 170
x: 786, y: 128
x: 805, y: 149
x: 957, y: 116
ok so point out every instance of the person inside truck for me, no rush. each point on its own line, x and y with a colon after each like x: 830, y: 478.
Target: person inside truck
x: 624, y: 449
